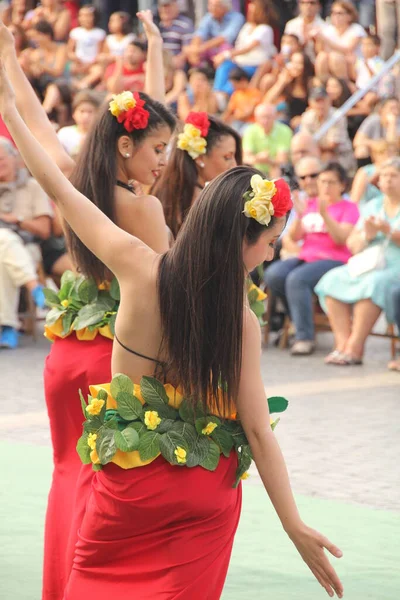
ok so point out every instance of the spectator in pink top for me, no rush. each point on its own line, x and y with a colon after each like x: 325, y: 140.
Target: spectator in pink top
x: 322, y: 224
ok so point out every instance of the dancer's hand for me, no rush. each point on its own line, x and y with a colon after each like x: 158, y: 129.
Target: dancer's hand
x: 7, y: 42
x: 310, y: 545
x: 7, y: 95
x: 150, y: 28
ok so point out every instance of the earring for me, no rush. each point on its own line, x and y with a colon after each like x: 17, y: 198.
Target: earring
x: 201, y: 165
x: 127, y: 155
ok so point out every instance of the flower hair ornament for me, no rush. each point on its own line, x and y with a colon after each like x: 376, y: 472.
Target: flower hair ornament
x: 266, y: 199
x: 128, y: 109
x: 192, y: 140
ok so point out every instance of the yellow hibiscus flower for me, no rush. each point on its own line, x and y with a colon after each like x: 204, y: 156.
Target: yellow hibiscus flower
x: 262, y: 188
x: 180, y: 454
x: 209, y: 428
x: 92, y: 440
x: 95, y: 406
x: 151, y: 419
x: 65, y: 303
x: 121, y: 102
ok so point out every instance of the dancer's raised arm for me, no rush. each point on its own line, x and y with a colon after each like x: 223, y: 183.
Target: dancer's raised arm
x: 154, y: 84
x: 29, y: 105
x: 107, y: 241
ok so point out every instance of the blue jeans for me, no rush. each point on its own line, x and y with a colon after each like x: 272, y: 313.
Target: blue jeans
x: 294, y: 280
x: 221, y: 80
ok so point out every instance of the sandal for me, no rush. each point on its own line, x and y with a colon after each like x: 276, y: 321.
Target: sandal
x: 394, y: 365
x: 332, y: 357
x: 342, y: 359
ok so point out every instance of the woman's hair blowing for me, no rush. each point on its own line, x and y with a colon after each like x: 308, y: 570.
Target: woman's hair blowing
x: 201, y: 291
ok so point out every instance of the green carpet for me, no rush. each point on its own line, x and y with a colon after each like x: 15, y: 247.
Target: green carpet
x: 264, y: 565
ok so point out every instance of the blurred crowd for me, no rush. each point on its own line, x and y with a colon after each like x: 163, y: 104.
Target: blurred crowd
x: 281, y: 74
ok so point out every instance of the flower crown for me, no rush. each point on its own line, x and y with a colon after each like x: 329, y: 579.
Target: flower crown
x: 266, y: 199
x: 192, y: 140
x: 128, y: 108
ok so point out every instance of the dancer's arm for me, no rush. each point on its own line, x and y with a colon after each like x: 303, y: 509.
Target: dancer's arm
x: 254, y: 414
x: 118, y: 250
x: 154, y: 84
x: 29, y: 106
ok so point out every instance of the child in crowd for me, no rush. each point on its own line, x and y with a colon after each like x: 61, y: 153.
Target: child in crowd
x: 84, y: 109
x: 84, y: 45
x: 199, y: 95
x: 265, y: 77
x: 127, y: 72
x: 367, y: 67
x: 240, y: 109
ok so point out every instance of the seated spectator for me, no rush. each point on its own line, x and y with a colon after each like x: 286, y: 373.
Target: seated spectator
x: 56, y: 259
x: 267, y: 74
x: 353, y: 302
x: 388, y: 24
x: 127, y: 72
x: 176, y: 30
x: 340, y: 42
x: 394, y: 299
x: 242, y: 103
x: 365, y: 182
x: 14, y: 13
x: 84, y: 107
x: 324, y: 226
x: 335, y: 144
x: 266, y: 143
x: 308, y: 22
x: 382, y: 125
x: 85, y: 43
x: 17, y: 269
x: 198, y: 96
x: 47, y: 61
x: 339, y: 92
x: 254, y: 45
x: 54, y: 13
x: 292, y: 87
x: 217, y: 31
x: 302, y: 145
x: 175, y: 81
x: 20, y: 40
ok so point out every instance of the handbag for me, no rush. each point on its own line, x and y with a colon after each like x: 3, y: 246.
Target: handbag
x: 370, y: 259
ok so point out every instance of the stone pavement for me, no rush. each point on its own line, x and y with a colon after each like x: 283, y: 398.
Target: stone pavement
x: 340, y: 435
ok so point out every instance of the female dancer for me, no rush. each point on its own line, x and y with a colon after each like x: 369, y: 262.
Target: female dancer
x: 159, y: 530
x: 196, y: 158
x: 107, y: 163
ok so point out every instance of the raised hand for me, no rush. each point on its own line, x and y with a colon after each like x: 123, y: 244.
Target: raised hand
x: 311, y: 545
x: 150, y: 28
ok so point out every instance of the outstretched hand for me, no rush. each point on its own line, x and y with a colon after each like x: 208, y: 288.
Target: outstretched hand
x: 7, y: 42
x: 150, y: 28
x: 7, y: 95
x: 310, y: 545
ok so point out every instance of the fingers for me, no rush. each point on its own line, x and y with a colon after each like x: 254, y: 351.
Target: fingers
x: 334, y: 550
x: 318, y: 576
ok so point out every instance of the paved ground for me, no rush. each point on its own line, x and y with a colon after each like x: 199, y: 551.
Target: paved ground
x: 340, y: 436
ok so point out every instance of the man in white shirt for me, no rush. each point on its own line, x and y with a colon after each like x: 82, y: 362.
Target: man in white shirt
x: 309, y: 20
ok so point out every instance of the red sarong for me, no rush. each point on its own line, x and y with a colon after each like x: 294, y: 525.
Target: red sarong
x: 157, y: 532
x: 70, y: 366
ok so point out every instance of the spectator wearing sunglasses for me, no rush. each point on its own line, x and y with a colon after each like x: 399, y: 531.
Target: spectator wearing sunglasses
x: 323, y: 223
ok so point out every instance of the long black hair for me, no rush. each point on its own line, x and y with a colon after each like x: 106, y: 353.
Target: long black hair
x: 175, y: 188
x: 95, y: 173
x: 201, y: 291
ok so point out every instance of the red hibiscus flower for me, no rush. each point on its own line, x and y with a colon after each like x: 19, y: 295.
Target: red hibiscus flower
x: 199, y: 120
x: 282, y: 200
x: 134, y: 118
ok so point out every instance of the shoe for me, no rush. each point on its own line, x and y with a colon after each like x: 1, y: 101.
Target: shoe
x: 9, y: 338
x: 38, y: 296
x: 302, y: 348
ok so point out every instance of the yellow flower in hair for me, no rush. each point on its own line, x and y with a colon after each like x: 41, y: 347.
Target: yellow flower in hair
x: 151, y: 419
x: 180, y: 454
x: 259, y: 200
x: 191, y: 141
x: 262, y: 188
x: 191, y: 131
x: 209, y: 428
x: 95, y: 406
x: 92, y: 441
x: 121, y: 102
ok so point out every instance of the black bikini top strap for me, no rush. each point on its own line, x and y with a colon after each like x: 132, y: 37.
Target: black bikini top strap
x: 126, y: 186
x: 198, y: 185
x: 136, y: 353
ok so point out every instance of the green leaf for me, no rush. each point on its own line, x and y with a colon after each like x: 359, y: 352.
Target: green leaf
x: 223, y: 439
x: 96, y: 467
x: 65, y: 291
x: 275, y: 423
x: 277, y: 404
x: 102, y: 394
x: 164, y: 411
x: 188, y: 433
x: 83, y: 404
x: 111, y: 423
x: 210, y: 462
x: 165, y: 425
x: 105, y: 301
x: 127, y: 440
x: 149, y: 445
x: 139, y: 427
x: 111, y: 323
x: 92, y: 424
x: 51, y: 297
x: 189, y: 412
x: 83, y: 449
x: 88, y: 315
x: 168, y: 443
x: 245, y: 458
x: 54, y: 314
x: 258, y: 309
x: 199, y: 451
x: 67, y: 277
x: 105, y: 445
x: 67, y: 322
x: 153, y: 392
x: 114, y: 290
x: 204, y: 421
x: 128, y: 406
x: 121, y: 383
x: 252, y: 296
x: 87, y: 291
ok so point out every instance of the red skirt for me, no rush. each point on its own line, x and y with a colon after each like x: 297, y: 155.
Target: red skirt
x: 157, y: 532
x: 70, y: 366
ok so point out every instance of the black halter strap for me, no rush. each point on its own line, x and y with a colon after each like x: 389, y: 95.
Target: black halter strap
x: 126, y: 186
x: 159, y: 363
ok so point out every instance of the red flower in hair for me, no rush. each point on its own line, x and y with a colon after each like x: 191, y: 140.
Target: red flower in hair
x: 282, y: 199
x: 136, y: 117
x: 199, y: 120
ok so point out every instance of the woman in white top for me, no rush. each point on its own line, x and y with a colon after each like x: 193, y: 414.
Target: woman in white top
x: 85, y: 41
x: 339, y: 42
x: 254, y: 45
